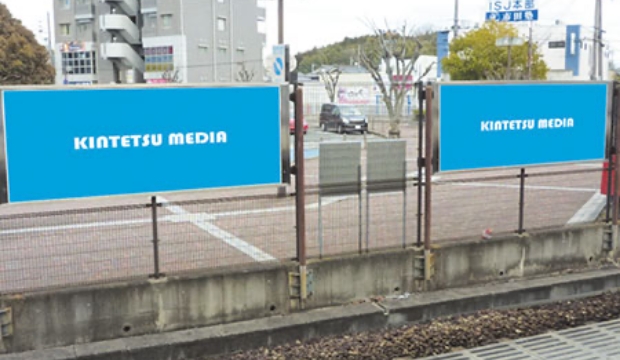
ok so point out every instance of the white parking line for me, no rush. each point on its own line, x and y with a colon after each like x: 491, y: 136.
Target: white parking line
x: 248, y: 249
x: 75, y: 226
x: 527, y: 187
x: 590, y: 211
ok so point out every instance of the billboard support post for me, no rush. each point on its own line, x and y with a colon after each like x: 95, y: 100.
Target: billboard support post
x: 615, y: 115
x: 420, y: 159
x: 428, y: 170
x: 522, y: 177
x: 153, y: 206
x: 300, y: 195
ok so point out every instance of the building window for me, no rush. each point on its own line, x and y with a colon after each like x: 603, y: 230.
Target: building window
x: 557, y: 44
x: 150, y: 21
x: 65, y: 4
x: 221, y: 24
x: 83, y: 2
x: 221, y: 50
x: 220, y: 1
x: 65, y: 29
x: 79, y: 63
x: 82, y: 28
x: 159, y: 59
x: 166, y: 21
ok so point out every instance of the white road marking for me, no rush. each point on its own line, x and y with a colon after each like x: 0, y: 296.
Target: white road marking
x: 75, y: 226
x: 180, y: 216
x: 527, y: 187
x: 248, y: 249
x: 590, y: 211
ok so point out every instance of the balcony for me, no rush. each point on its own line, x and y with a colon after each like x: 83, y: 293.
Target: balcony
x: 120, y: 25
x: 84, y: 11
x: 124, y: 54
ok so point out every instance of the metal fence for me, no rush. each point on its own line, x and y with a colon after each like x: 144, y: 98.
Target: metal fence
x: 365, y: 96
x: 97, y: 245
x: 239, y: 228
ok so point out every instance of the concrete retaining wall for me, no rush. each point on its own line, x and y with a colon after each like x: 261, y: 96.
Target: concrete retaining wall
x: 85, y: 315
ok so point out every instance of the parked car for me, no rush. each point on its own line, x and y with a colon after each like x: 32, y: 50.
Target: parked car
x: 291, y: 123
x: 342, y: 119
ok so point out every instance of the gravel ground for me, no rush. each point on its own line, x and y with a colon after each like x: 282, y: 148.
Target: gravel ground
x: 448, y: 334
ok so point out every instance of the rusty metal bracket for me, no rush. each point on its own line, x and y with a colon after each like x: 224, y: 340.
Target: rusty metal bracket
x: 6, y: 322
x: 423, y: 264
x: 301, y: 285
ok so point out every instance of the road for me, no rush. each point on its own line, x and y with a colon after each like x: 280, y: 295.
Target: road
x: 85, y: 241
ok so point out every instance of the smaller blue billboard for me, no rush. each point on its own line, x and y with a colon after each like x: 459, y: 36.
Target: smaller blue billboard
x: 63, y: 144
x: 484, y: 126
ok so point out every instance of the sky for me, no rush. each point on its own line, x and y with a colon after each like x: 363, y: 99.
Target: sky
x: 310, y: 23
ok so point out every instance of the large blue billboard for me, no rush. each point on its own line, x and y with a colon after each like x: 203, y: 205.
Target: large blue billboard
x: 485, y: 126
x: 80, y: 143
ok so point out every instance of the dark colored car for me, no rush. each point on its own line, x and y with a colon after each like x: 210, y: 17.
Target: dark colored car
x: 342, y: 119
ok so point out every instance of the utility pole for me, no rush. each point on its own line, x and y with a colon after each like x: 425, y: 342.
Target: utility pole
x: 599, y: 20
x: 280, y: 21
x: 596, y: 69
x: 456, y: 18
x: 530, y: 52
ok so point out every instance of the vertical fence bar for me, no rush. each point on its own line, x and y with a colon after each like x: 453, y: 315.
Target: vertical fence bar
x: 360, y: 207
x: 428, y: 170
x: 405, y: 204
x: 522, y: 177
x: 300, y: 187
x: 420, y: 159
x: 610, y: 167
x: 320, y: 235
x: 154, y: 206
x: 616, y: 185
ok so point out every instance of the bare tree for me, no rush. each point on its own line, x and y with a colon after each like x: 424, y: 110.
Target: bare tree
x: 330, y: 81
x: 172, y: 76
x: 397, y: 51
x: 244, y: 75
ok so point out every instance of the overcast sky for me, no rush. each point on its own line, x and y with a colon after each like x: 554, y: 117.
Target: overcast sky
x: 310, y: 23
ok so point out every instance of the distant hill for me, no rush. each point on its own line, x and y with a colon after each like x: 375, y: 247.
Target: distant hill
x: 345, y: 52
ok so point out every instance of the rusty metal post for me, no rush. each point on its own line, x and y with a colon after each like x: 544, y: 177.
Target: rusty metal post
x: 428, y: 169
x: 420, y: 159
x: 522, y: 177
x: 616, y: 185
x: 153, y: 205
x: 300, y: 191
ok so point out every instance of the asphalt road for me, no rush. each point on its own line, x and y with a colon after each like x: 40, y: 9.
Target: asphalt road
x: 52, y: 244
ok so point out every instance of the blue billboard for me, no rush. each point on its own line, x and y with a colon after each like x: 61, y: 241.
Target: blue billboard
x: 485, y: 126
x: 80, y: 143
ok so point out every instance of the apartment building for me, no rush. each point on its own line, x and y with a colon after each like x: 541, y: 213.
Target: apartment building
x: 158, y: 41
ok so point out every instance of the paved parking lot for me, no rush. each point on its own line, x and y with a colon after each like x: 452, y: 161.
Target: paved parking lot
x: 63, y: 246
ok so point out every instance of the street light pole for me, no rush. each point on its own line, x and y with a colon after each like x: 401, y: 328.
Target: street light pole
x: 456, y: 18
x: 280, y: 21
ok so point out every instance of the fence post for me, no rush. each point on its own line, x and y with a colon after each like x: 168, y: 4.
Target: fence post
x: 157, y: 274
x: 420, y: 159
x: 300, y: 191
x: 428, y: 170
x: 522, y: 177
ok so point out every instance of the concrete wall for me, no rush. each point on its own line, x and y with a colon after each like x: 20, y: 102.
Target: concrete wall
x: 85, y: 315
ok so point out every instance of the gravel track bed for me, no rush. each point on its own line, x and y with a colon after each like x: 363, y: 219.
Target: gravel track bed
x: 448, y: 334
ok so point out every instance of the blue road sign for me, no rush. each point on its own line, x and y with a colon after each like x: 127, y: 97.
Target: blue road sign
x: 278, y: 66
x: 279, y: 56
x: 512, y: 10
x: 491, y: 125
x: 97, y: 142
x: 513, y: 16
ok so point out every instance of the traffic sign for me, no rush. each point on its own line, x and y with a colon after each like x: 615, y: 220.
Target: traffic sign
x: 512, y: 10
x: 278, y: 64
